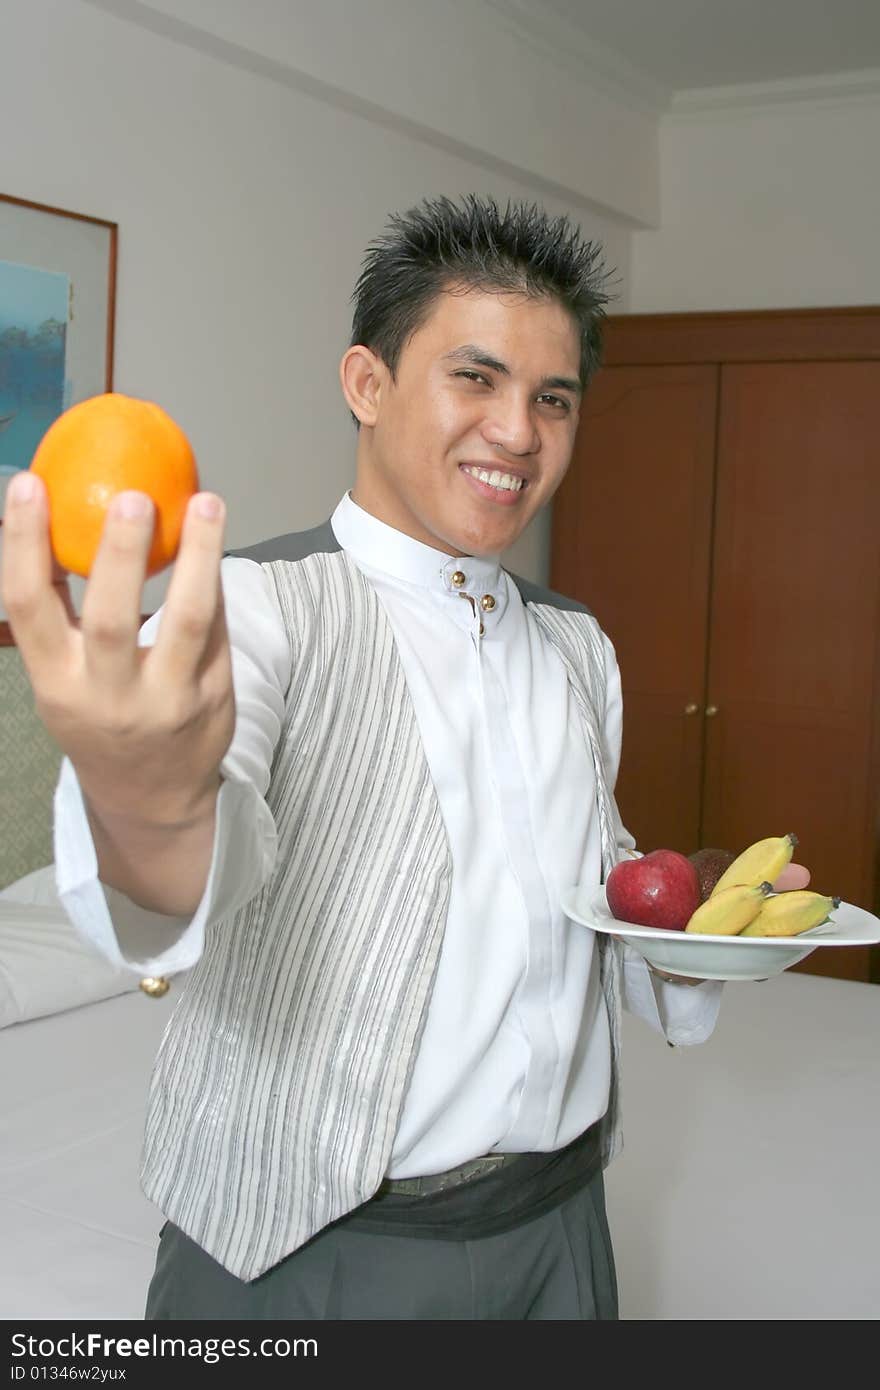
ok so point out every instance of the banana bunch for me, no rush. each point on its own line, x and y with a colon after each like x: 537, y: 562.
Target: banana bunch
x: 729, y: 912
x: 789, y: 914
x: 762, y: 862
x: 743, y: 903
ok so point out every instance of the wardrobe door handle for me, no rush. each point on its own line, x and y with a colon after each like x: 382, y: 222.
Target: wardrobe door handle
x: 691, y: 708
x: 711, y: 711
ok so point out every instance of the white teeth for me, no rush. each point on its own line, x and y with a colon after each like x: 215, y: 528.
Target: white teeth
x: 505, y: 481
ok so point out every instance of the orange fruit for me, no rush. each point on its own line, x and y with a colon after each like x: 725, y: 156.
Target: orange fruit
x: 105, y: 445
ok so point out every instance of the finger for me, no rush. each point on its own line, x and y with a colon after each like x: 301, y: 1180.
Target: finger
x: 792, y: 876
x: 191, y: 622
x: 217, y: 657
x: 111, y: 608
x: 674, y: 979
x: 33, y: 586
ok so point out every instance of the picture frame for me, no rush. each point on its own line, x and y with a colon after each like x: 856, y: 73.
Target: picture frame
x: 57, y: 319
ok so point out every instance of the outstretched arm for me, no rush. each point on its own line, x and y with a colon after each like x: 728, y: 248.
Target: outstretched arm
x: 145, y: 728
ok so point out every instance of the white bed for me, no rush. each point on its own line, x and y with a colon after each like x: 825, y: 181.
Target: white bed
x: 77, y: 1040
x: 79, y: 1237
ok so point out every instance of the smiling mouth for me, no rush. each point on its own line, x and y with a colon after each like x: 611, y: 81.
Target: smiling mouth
x: 495, y: 478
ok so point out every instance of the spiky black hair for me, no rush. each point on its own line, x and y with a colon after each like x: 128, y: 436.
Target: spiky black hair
x: 472, y: 244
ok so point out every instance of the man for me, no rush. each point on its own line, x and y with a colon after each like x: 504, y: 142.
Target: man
x: 345, y: 777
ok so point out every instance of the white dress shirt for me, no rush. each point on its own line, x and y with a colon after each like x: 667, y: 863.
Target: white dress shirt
x: 515, y: 1053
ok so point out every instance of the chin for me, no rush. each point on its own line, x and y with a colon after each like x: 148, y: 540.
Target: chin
x: 468, y: 532
x: 482, y: 543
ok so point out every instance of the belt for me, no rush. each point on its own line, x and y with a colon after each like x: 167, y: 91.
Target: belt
x: 453, y: 1177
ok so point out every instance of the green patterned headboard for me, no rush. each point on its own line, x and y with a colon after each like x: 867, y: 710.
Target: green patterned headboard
x: 29, y: 762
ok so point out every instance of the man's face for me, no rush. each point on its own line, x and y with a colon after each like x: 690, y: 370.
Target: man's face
x: 487, y: 386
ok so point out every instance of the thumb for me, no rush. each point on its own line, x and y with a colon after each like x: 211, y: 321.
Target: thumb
x: 792, y: 876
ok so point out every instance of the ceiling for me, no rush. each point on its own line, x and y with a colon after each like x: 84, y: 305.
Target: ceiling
x: 683, y: 44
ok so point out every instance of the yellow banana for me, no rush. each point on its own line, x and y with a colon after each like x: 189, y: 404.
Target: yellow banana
x: 789, y: 914
x: 728, y: 912
x: 762, y: 862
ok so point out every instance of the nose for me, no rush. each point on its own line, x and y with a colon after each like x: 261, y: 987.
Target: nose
x: 511, y: 426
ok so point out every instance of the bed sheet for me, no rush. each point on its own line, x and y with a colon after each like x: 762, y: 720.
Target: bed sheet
x: 79, y: 1237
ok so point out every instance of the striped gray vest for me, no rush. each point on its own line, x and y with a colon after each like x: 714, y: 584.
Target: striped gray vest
x: 278, y: 1085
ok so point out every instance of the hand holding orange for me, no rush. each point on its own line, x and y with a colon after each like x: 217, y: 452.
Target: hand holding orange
x: 145, y: 726
x: 105, y: 445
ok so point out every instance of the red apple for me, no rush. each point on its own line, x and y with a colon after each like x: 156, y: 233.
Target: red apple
x: 662, y: 889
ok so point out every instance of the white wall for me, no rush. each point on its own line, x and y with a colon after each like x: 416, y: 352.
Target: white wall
x: 772, y: 208
x: 244, y: 206
x: 461, y: 73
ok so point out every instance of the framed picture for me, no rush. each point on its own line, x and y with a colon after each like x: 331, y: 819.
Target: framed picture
x: 57, y: 306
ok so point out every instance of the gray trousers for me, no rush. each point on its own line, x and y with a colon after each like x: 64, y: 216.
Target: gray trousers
x: 557, y: 1266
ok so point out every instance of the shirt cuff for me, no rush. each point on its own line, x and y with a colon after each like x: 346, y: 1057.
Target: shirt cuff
x: 150, y: 943
x: 683, y: 1014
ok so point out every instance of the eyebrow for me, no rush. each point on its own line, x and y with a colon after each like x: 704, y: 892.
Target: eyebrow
x: 479, y: 357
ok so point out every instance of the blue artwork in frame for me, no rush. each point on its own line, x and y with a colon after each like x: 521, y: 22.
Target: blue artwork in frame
x: 33, y: 332
x: 57, y: 308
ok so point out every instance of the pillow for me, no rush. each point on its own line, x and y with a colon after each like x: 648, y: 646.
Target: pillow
x: 38, y: 888
x: 45, y: 966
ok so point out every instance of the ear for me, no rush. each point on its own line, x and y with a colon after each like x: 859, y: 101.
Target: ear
x: 362, y: 375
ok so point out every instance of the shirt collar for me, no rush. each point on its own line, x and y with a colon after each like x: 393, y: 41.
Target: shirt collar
x: 381, y: 547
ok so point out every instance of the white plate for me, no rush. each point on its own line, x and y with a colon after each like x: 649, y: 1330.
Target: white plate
x: 721, y: 957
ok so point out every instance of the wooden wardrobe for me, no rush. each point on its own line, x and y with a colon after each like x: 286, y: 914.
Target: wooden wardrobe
x: 721, y: 517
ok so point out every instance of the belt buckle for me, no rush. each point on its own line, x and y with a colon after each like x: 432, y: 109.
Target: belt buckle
x: 453, y: 1177
x: 474, y: 1168
x: 487, y: 1163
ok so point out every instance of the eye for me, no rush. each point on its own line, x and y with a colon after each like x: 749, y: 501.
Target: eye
x: 473, y: 376
x: 557, y: 402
